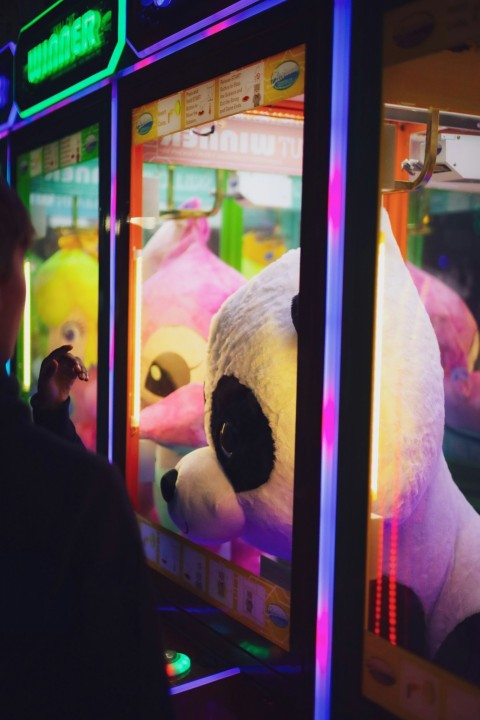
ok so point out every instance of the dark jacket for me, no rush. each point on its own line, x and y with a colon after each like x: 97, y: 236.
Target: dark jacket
x: 78, y: 635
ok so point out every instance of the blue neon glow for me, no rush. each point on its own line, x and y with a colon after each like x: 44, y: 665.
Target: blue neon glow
x: 331, y: 390
x: 13, y: 111
x: 157, y: 3
x: 207, y: 21
x: 5, y: 85
x: 9, y: 46
x: 204, y: 681
x: 8, y: 364
x: 21, y: 122
x: 200, y: 30
x: 8, y: 171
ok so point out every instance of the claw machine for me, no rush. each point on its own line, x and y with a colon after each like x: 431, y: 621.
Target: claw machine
x: 408, y: 443
x: 61, y: 153
x: 222, y: 187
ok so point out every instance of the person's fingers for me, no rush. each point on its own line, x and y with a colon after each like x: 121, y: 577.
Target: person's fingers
x: 70, y: 362
x: 81, y: 372
x: 70, y: 366
x: 59, y: 352
x: 80, y: 368
x: 50, y: 367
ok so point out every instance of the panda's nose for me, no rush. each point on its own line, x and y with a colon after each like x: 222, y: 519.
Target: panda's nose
x: 167, y: 484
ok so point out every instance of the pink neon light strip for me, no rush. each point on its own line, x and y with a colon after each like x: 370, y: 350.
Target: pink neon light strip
x: 331, y: 391
x: 186, y: 41
x: 218, y: 17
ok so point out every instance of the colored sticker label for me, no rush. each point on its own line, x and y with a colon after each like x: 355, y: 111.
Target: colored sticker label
x: 253, y: 600
x: 276, y: 78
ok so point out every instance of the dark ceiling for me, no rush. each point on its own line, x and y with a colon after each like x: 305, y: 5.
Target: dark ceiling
x: 16, y: 13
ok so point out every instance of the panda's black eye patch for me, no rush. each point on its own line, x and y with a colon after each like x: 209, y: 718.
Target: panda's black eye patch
x: 229, y: 441
x: 241, y: 435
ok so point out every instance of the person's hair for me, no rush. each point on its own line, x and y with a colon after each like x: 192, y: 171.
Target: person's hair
x: 16, y: 228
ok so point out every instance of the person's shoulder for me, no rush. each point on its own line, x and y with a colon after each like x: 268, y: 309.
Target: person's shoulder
x: 67, y: 462
x: 42, y: 439
x: 58, y: 488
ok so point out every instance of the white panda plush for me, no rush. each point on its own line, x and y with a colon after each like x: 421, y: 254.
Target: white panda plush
x: 241, y: 484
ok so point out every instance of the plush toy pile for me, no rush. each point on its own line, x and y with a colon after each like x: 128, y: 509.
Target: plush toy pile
x: 241, y: 485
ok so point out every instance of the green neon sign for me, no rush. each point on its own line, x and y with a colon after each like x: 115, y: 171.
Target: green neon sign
x: 65, y: 49
x: 73, y: 40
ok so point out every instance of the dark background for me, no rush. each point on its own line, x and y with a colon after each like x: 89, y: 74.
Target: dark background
x: 16, y: 13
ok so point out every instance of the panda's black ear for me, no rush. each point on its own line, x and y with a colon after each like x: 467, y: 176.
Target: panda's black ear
x: 295, y: 311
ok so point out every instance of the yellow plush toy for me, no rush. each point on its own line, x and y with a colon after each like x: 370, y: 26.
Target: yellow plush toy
x: 65, y: 296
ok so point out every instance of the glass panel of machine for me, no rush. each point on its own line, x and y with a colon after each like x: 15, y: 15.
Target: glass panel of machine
x: 58, y: 183
x: 423, y: 642
x: 215, y: 226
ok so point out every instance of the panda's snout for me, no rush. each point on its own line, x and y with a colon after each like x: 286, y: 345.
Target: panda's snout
x: 167, y: 484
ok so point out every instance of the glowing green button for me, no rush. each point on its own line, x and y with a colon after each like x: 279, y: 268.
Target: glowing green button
x: 176, y: 663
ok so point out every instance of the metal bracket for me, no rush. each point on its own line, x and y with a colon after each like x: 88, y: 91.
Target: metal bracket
x: 428, y: 165
x: 173, y: 213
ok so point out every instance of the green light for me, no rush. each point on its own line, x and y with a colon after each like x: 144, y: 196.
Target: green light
x: 262, y: 653
x: 176, y: 663
x: 47, y: 10
x: 91, y: 79
x: 73, y: 40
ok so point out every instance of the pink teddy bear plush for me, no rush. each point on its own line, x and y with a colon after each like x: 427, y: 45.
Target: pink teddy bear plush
x: 185, y: 284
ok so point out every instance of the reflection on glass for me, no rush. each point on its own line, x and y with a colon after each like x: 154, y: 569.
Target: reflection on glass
x: 422, y: 645
x: 59, y: 185
x: 215, y: 211
x: 424, y: 530
x: 190, y: 266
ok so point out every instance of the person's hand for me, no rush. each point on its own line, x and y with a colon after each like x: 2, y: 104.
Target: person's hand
x: 58, y: 372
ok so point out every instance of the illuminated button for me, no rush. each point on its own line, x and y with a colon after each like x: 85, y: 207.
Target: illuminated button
x: 176, y: 663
